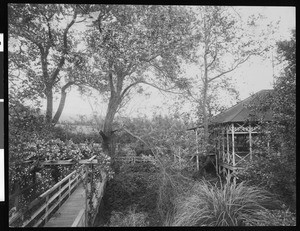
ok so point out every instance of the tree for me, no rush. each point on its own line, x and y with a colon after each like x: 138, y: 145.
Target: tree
x: 133, y: 45
x: 276, y: 167
x: 224, y: 45
x: 42, y: 51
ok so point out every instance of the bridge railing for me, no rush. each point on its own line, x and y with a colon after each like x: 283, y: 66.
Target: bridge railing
x: 42, y: 207
x: 80, y: 219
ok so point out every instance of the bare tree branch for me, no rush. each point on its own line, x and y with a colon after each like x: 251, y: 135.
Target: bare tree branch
x: 137, y: 137
x: 159, y: 88
x: 230, y: 70
x: 214, y: 58
x: 128, y: 88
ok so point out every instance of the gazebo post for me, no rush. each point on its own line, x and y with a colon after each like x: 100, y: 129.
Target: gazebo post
x: 227, y: 138
x: 250, y: 142
x: 219, y: 151
x: 197, y: 150
x: 223, y: 147
x: 232, y: 136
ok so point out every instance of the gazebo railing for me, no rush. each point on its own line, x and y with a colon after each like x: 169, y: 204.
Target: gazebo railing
x: 240, y: 160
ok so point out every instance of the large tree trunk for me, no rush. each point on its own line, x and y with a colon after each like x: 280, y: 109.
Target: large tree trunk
x: 205, y: 159
x: 60, y: 108
x: 108, y: 144
x: 205, y: 118
x: 61, y: 103
x: 204, y: 103
x: 49, y: 109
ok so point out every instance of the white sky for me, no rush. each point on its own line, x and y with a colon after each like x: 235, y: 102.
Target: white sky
x: 253, y: 76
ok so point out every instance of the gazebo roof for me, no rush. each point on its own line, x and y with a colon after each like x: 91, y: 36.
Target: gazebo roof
x: 240, y: 112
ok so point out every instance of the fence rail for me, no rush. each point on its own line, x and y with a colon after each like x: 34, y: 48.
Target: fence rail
x: 133, y: 159
x: 49, y: 200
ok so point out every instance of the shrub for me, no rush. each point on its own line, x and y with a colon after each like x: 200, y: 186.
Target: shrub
x: 273, y: 218
x: 275, y: 173
x: 229, y: 205
x: 133, y: 184
x: 131, y: 219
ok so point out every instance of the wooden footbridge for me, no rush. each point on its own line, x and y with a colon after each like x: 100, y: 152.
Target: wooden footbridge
x: 65, y: 204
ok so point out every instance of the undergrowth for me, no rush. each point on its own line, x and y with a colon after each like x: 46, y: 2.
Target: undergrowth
x: 228, y: 205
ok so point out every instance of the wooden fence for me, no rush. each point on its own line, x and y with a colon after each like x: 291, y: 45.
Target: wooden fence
x: 133, y: 159
x: 41, y: 208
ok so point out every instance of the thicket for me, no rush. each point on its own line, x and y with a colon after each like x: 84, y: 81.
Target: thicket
x: 32, y: 141
x: 275, y: 167
x: 162, y: 193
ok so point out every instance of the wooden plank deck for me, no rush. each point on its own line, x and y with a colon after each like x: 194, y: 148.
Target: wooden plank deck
x: 67, y: 213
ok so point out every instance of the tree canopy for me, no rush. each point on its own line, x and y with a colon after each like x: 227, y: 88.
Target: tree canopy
x: 42, y: 51
x: 139, y: 44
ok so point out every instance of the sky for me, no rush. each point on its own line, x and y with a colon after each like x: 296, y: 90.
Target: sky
x: 255, y: 75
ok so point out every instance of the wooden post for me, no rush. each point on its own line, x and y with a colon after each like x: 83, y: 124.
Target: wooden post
x: 59, y: 195
x: 227, y: 138
x: 69, y: 183
x: 46, y: 209
x: 218, y: 152
x: 86, y: 201
x: 250, y: 142
x: 223, y: 145
x: 197, y: 150
x: 233, y: 153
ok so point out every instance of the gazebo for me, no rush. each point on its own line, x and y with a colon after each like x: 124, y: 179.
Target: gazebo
x: 235, y: 133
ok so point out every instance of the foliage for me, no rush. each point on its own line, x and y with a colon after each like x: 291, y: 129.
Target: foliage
x: 225, y: 42
x: 133, y: 45
x: 169, y: 146
x: 170, y: 184
x: 77, y: 135
x: 273, y: 218
x: 130, y: 219
x: 276, y: 168
x: 273, y: 172
x: 31, y: 142
x: 163, y: 136
x: 134, y: 184
x: 229, y: 205
x: 42, y: 52
x: 151, y: 188
x: 128, y: 41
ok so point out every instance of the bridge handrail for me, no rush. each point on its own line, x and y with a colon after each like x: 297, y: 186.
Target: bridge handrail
x: 45, y: 195
x: 80, y: 219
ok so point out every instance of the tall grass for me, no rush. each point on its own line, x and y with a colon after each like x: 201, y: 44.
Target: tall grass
x: 227, y: 205
x: 170, y: 185
x: 130, y: 219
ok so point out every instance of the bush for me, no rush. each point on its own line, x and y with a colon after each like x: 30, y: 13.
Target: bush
x: 277, y: 169
x: 134, y: 184
x: 274, y: 218
x: 229, y: 205
x: 131, y: 219
x: 275, y: 173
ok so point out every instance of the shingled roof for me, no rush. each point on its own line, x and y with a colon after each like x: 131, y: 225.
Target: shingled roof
x: 240, y: 112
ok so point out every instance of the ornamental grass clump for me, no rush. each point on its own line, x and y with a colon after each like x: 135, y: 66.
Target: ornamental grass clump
x: 227, y: 205
x: 130, y: 219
